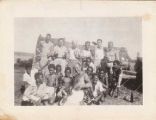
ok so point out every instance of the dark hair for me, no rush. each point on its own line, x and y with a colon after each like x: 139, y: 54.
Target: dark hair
x: 99, y: 40
x: 117, y: 62
x: 48, y: 34
x: 89, y: 58
x: 37, y: 75
x: 95, y: 74
x: 89, y: 68
x: 28, y: 65
x: 58, y: 65
x: 51, y: 66
x: 68, y: 68
x: 87, y: 42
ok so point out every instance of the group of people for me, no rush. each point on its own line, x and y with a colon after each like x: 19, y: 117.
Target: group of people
x: 72, y: 76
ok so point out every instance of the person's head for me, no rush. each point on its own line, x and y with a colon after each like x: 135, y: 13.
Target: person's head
x: 110, y: 45
x: 89, y: 70
x: 101, y: 73
x: 77, y: 68
x: 87, y: 45
x: 88, y: 60
x: 48, y: 37
x: 73, y: 45
x: 116, y: 64
x: 58, y: 68
x: 99, y: 42
x: 67, y: 71
x: 28, y: 68
x: 95, y: 79
x: 61, y: 42
x: 39, y: 78
x: 84, y: 63
x: 51, y: 68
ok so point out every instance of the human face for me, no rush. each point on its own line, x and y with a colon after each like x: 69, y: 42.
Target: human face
x: 39, y: 80
x: 99, y: 43
x: 48, y: 37
x: 60, y: 42
x: 87, y: 45
x: 110, y: 45
x: 73, y: 45
x: 67, y: 73
x: 102, y: 74
x: 28, y: 70
x: 58, y: 69
x: 95, y: 79
x: 77, y: 69
x: 88, y: 60
x: 90, y: 71
x: 51, y: 70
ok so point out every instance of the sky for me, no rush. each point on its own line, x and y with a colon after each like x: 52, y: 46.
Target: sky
x: 123, y: 31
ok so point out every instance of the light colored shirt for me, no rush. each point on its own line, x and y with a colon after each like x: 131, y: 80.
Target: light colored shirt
x: 99, y: 53
x: 86, y: 53
x: 30, y: 78
x: 112, y: 55
x: 47, y: 48
x: 73, y: 53
x: 98, y: 89
x: 61, y: 51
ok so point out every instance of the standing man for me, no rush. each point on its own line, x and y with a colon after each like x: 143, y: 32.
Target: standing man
x: 46, y: 48
x: 60, y: 51
x: 86, y: 52
x: 98, y: 53
x: 73, y: 56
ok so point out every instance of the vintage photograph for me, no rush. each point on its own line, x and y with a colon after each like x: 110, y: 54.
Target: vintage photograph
x: 62, y: 61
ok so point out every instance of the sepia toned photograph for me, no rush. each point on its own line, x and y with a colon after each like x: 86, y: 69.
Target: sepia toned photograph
x: 63, y: 61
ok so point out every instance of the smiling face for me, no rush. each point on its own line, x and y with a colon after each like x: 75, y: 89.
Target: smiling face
x: 67, y: 73
x: 99, y: 43
x: 110, y: 45
x: 51, y: 70
x: 95, y: 79
x: 61, y: 42
x: 87, y: 45
x: 58, y: 69
x: 48, y: 37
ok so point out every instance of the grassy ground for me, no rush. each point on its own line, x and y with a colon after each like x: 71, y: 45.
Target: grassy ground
x: 18, y: 76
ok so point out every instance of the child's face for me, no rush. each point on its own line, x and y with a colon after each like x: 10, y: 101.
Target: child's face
x: 102, y: 74
x: 88, y: 61
x: 28, y: 70
x: 67, y: 73
x: 95, y: 79
x: 51, y: 70
x: 58, y: 69
x: 39, y: 80
x: 89, y: 71
x: 84, y: 64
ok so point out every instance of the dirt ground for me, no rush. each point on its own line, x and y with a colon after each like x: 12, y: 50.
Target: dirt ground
x: 138, y: 98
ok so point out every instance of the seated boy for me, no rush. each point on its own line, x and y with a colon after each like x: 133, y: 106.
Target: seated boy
x: 98, y: 90
x: 51, y: 78
x: 27, y: 78
x: 59, y: 71
x: 90, y: 72
x: 65, y: 87
x: 103, y: 77
x: 90, y: 64
x: 39, y: 94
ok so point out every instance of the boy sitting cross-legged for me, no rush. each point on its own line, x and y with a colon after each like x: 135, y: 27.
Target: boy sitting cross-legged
x: 39, y: 94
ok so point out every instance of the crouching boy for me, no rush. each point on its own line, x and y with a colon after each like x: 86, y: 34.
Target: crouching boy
x: 65, y: 87
x: 39, y: 94
x: 98, y: 90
